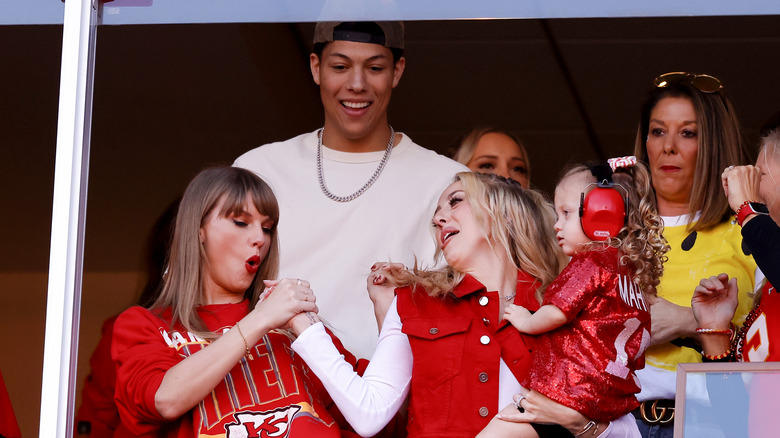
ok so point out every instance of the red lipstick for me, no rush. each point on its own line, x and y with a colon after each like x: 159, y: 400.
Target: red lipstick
x: 252, y: 264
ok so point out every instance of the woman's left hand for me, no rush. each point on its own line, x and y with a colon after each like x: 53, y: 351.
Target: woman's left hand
x: 282, y: 300
x: 538, y: 408
x: 714, y: 301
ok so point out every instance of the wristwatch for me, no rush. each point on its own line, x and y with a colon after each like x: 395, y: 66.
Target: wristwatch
x: 748, y: 208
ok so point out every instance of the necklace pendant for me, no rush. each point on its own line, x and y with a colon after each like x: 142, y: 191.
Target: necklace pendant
x: 249, y: 356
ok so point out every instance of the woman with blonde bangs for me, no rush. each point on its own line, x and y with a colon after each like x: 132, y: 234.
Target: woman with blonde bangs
x: 688, y: 133
x: 198, y: 361
x: 491, y: 150
x: 443, y: 341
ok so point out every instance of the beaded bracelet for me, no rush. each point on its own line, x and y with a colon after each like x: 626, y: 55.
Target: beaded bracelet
x: 719, y: 358
x: 727, y: 331
x: 588, y: 426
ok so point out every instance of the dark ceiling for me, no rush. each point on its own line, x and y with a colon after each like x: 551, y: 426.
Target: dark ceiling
x: 171, y: 99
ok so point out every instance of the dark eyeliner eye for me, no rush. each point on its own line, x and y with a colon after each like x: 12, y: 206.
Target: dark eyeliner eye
x: 239, y: 223
x: 454, y: 201
x: 486, y: 166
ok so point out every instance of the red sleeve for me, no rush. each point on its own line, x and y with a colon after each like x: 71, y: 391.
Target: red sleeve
x: 8, y: 426
x: 142, y: 357
x: 97, y: 398
x: 572, y: 289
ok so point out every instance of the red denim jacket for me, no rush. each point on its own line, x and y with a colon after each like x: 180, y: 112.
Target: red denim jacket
x: 456, y: 342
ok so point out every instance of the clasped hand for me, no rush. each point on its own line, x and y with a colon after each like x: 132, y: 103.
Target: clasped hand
x: 286, y: 302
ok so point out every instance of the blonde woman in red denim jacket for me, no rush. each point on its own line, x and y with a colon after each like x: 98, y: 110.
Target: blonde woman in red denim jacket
x: 443, y: 341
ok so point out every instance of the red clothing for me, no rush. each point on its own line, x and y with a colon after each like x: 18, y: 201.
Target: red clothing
x: 8, y: 426
x: 98, y: 409
x: 588, y: 364
x: 761, y: 325
x: 270, y: 396
x: 457, y: 343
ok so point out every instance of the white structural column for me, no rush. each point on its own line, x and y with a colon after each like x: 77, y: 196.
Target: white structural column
x: 68, y: 217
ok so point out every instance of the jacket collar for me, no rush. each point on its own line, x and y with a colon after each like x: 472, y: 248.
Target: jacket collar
x: 526, y: 288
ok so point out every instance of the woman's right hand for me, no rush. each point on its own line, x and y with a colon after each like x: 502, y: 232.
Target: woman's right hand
x: 538, y: 408
x: 282, y: 300
x: 741, y: 184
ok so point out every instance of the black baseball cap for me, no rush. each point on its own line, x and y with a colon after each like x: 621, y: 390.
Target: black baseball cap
x: 389, y: 34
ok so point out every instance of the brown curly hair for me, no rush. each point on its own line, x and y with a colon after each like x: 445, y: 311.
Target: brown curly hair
x: 640, y: 242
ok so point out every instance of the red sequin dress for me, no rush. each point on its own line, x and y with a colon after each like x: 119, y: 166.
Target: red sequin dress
x: 588, y: 364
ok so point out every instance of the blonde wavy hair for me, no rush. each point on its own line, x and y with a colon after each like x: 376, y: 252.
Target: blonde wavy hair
x: 468, y: 145
x: 519, y: 222
x: 182, y: 288
x: 640, y: 242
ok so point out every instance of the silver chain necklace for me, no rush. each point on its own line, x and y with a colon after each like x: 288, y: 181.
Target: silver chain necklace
x: 321, y: 175
x: 510, y: 297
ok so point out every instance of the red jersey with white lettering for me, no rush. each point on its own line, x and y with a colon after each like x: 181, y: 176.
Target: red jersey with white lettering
x: 588, y: 363
x: 761, y: 326
x: 271, y: 395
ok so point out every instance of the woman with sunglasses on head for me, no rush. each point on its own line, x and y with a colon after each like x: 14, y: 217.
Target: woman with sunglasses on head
x: 443, y: 340
x: 206, y: 358
x: 688, y: 133
x: 491, y: 150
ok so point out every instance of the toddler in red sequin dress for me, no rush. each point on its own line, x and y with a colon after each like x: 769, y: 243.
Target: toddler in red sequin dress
x: 594, y: 323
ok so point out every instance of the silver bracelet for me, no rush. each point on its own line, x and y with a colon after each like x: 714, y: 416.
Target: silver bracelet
x: 588, y: 427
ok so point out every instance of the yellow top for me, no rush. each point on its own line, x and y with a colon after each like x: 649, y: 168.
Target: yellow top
x: 694, y: 256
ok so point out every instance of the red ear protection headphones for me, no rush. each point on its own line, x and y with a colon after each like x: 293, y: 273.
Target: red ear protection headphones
x: 602, y: 210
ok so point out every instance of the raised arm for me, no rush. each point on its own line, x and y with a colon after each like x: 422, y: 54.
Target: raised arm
x: 369, y: 402
x: 191, y: 380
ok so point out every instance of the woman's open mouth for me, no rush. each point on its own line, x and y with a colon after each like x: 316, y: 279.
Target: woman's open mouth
x: 252, y: 264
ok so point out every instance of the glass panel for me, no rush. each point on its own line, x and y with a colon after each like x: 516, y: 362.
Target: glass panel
x: 31, y: 11
x: 172, y: 98
x: 28, y: 116
x: 209, y: 11
x: 727, y: 400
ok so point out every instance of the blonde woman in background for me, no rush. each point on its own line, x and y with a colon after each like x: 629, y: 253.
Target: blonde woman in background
x: 490, y: 150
